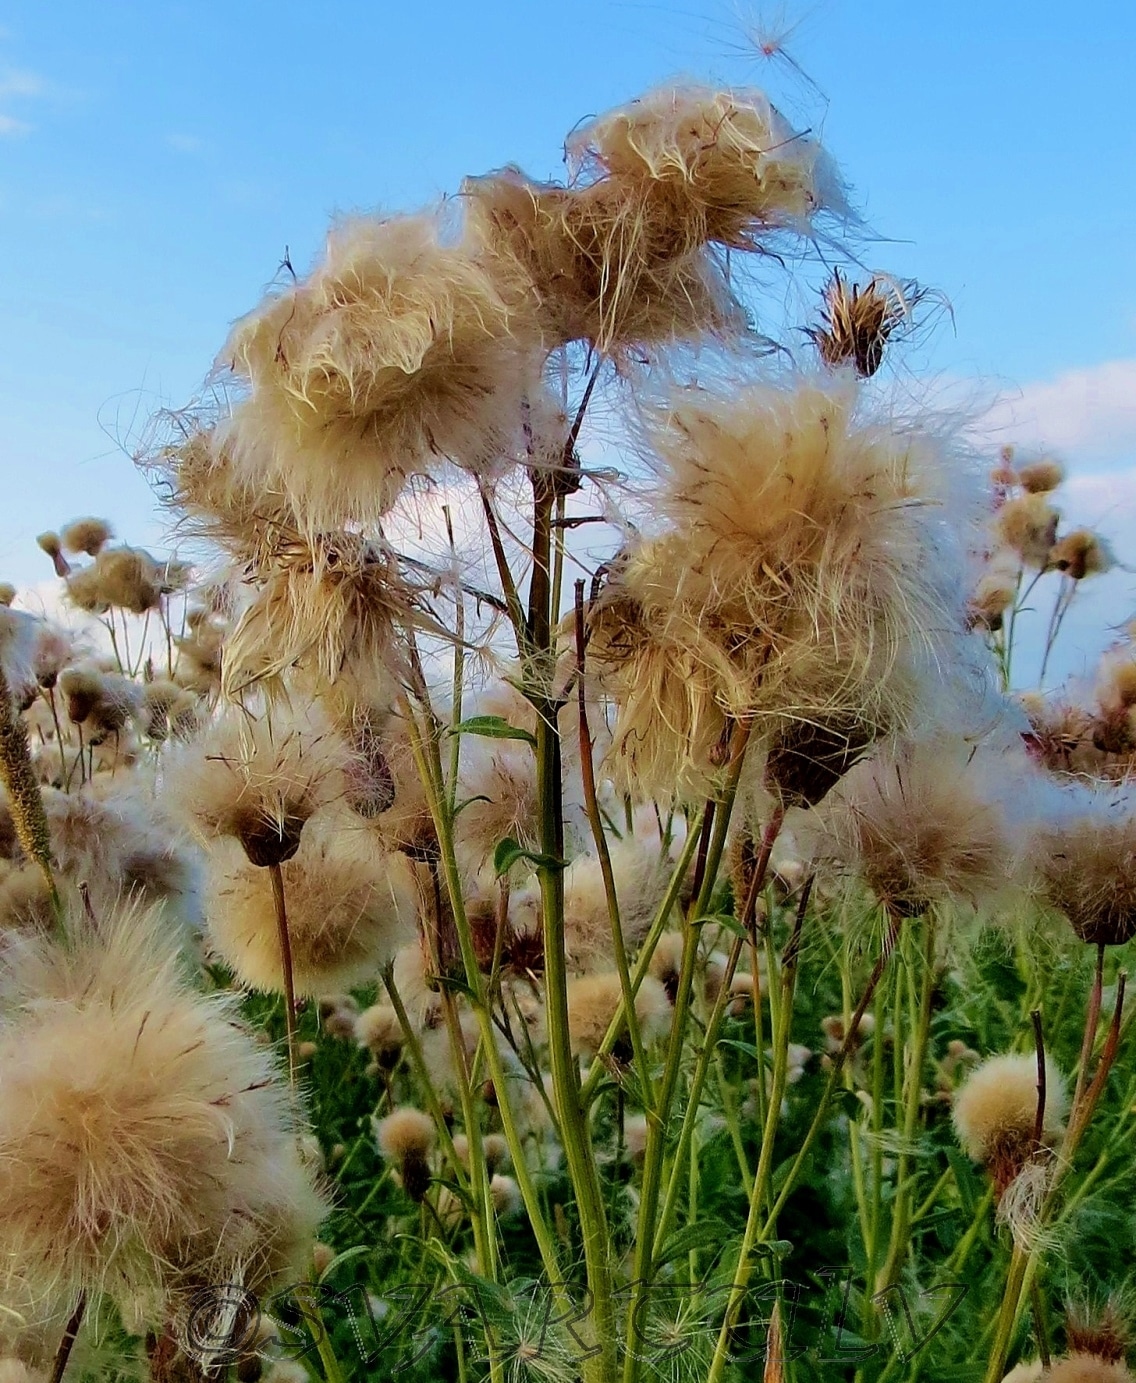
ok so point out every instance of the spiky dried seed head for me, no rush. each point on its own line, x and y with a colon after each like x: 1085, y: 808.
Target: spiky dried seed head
x: 1087, y: 861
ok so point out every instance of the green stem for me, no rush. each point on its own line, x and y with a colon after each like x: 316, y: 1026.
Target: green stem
x: 905, y: 1179
x: 660, y: 1116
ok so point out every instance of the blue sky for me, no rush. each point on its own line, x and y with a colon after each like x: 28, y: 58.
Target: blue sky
x: 156, y: 159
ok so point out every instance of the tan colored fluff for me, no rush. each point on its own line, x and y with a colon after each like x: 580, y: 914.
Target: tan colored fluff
x: 592, y: 1004
x: 1040, y: 477
x: 19, y: 634
x: 103, y: 703
x: 16, y: 1371
x: 146, y: 1144
x: 1027, y: 524
x: 1087, y: 860
x: 621, y: 257
x: 1081, y: 553
x: 325, y: 609
x: 925, y: 824
x: 169, y: 711
x: 996, y: 1107
x: 348, y: 912
x: 377, y: 1028
x: 500, y: 785
x: 415, y: 987
x: 126, y: 578
x: 1086, y: 1368
x: 406, y: 1132
x: 804, y: 581
x: 603, y: 269
x: 258, y: 778
x: 7, y: 593
x: 1025, y: 1373
x: 49, y: 543
x: 198, y: 666
x: 730, y: 159
x: 119, y: 844
x: 397, y: 350
x: 86, y: 535
x: 996, y: 589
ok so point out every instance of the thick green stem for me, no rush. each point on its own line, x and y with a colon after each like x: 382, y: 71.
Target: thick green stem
x: 578, y: 1151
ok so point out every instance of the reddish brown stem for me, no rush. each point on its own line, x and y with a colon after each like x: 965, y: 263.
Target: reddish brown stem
x: 67, y: 1343
x: 1039, y: 1045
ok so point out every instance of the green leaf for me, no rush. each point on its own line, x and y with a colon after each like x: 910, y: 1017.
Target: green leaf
x: 344, y: 1257
x: 509, y: 851
x: 749, y: 1048
x: 492, y: 728
x: 965, y: 1180
x: 452, y: 982
x: 700, y: 1235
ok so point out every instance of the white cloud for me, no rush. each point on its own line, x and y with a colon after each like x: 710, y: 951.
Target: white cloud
x: 11, y: 128
x: 1084, y: 415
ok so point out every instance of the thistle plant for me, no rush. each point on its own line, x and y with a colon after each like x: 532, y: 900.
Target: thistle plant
x: 581, y: 755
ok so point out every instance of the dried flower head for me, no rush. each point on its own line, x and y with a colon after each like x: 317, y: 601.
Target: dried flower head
x: 926, y: 823
x: 1080, y: 553
x: 1027, y: 525
x: 87, y: 535
x: 348, y: 912
x: 807, y: 581
x: 592, y: 1004
x: 1039, y: 477
x: 103, y: 703
x: 857, y: 321
x: 377, y: 1028
x: 325, y: 611
x: 397, y: 350
x: 1087, y: 861
x: 602, y: 268
x: 49, y: 543
x: 1103, y: 1332
x: 259, y: 778
x: 407, y: 1136
x: 126, y: 578
x: 995, y: 1112
x: 996, y: 589
x: 728, y: 162
x: 146, y: 1146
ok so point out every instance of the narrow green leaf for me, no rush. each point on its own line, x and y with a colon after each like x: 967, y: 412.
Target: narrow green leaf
x: 493, y: 728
